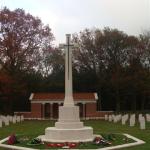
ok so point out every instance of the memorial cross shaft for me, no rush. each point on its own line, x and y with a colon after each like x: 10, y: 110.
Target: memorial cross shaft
x: 68, y: 71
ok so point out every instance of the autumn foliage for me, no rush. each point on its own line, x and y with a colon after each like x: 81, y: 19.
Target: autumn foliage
x: 108, y: 61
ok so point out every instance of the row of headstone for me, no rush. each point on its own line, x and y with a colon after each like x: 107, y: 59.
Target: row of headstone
x: 116, y: 118
x: 132, y: 119
x: 6, y: 120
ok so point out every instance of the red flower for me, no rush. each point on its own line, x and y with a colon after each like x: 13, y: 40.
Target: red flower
x: 51, y: 145
x: 58, y: 145
x: 72, y: 145
x: 12, y: 140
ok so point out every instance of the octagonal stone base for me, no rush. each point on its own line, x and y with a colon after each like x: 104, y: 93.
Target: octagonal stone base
x: 68, y: 128
x: 53, y: 134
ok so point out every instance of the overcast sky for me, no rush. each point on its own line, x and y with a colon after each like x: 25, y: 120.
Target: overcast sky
x: 70, y: 16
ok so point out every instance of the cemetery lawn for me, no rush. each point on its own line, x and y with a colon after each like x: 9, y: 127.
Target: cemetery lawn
x: 35, y: 128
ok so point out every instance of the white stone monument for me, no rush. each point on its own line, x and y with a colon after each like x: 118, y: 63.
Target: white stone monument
x: 10, y: 118
x: 124, y: 119
x: 113, y: 116
x: 18, y: 119
x: 110, y: 118
x: 132, y: 120
x: 14, y: 120
x: 22, y: 118
x: 5, y: 120
x: 1, y: 123
x: 148, y: 117
x: 106, y: 117
x: 142, y: 123
x: 68, y: 128
x: 117, y: 118
x: 140, y: 116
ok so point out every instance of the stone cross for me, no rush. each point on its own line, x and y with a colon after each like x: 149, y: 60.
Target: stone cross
x: 68, y: 71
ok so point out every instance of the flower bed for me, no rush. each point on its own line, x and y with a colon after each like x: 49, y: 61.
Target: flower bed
x: 98, y: 142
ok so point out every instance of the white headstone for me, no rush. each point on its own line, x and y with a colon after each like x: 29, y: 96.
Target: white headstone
x: 148, y: 117
x: 140, y: 116
x: 115, y: 119
x: 2, y: 117
x: 87, y: 118
x: 6, y: 121
x: 124, y: 119
x: 132, y: 120
x: 113, y: 116
x: 110, y: 118
x: 14, y: 119
x: 10, y: 118
x: 22, y: 118
x: 119, y: 117
x: 1, y: 123
x: 106, y: 117
x: 142, y: 123
x: 18, y: 118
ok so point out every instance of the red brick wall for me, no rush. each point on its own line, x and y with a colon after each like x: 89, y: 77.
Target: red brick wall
x: 92, y: 112
x: 36, y: 110
x: 90, y: 109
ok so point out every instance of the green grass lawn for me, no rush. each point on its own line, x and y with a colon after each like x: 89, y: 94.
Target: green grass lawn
x: 34, y: 128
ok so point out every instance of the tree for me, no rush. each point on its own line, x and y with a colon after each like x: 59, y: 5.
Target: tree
x: 23, y: 40
x: 104, y: 52
x: 6, y: 82
x: 10, y: 88
x: 145, y: 73
x: 145, y: 44
x: 54, y: 61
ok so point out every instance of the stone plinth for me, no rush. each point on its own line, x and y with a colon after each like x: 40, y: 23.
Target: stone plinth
x: 69, y: 118
x: 53, y: 134
x: 68, y: 128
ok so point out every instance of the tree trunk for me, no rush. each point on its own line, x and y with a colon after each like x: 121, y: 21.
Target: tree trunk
x: 117, y: 100
x: 143, y: 103
x: 133, y: 107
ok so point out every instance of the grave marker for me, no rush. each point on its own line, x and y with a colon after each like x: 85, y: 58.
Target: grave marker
x: 142, y: 123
